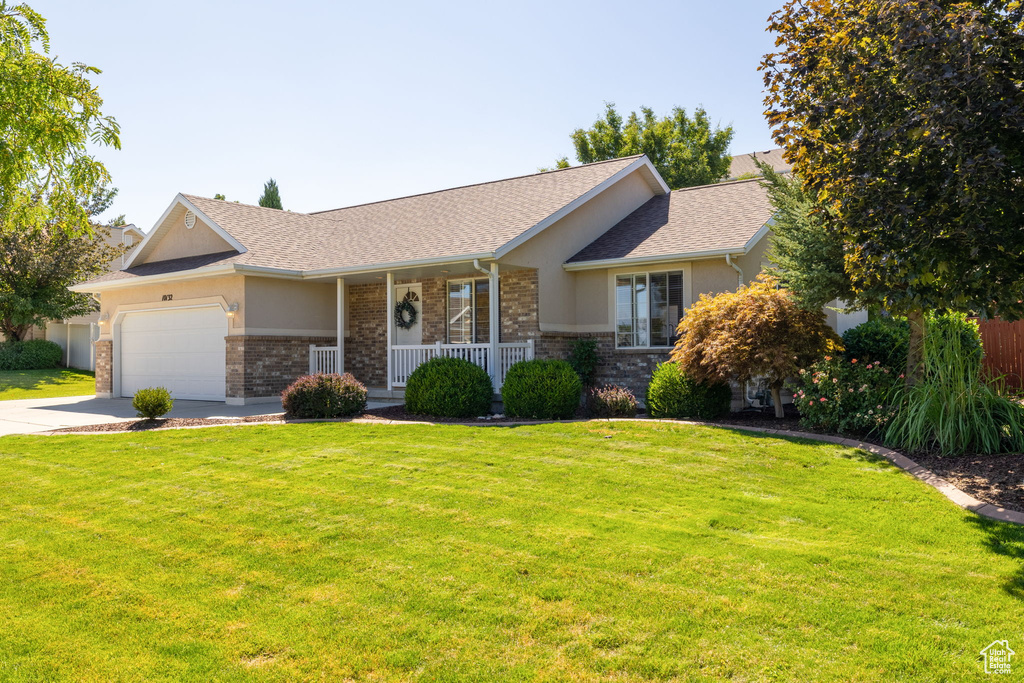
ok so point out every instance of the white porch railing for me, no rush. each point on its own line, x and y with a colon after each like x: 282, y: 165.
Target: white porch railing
x: 405, y: 359
x: 323, y: 359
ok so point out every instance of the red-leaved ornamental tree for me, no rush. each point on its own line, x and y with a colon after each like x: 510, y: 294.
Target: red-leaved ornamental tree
x: 756, y: 331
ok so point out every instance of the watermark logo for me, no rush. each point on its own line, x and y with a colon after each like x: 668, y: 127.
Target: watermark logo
x: 997, y: 657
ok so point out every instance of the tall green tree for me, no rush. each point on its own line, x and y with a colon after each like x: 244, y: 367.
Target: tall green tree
x: 905, y: 122
x: 271, y: 197
x: 40, y: 262
x: 686, y: 151
x: 806, y: 257
x: 49, y: 114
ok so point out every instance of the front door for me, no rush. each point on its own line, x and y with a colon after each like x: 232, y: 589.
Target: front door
x: 411, y: 331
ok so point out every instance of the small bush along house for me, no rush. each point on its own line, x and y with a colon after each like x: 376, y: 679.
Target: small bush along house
x: 224, y: 301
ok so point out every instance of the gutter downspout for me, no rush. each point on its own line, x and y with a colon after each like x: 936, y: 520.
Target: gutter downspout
x: 476, y: 264
x: 739, y: 271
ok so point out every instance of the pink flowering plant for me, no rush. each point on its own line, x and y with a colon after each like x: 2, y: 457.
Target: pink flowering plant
x: 845, y: 396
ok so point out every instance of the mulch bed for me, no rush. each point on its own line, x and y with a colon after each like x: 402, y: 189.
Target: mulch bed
x: 995, y: 479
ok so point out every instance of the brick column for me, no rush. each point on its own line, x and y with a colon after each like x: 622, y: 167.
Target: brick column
x: 104, y: 368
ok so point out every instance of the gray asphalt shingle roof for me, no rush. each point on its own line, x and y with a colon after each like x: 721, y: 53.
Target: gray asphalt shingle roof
x: 743, y: 164
x: 692, y: 220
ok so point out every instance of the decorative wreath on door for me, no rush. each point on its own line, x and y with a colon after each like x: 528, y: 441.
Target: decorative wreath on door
x: 405, y: 314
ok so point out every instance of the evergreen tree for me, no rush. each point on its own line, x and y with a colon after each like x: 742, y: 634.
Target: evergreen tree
x: 271, y: 195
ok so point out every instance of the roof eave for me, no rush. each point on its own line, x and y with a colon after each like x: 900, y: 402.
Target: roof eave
x: 191, y: 274
x: 652, y: 260
x: 397, y: 265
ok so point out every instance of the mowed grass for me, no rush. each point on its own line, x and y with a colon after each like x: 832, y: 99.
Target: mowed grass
x: 51, y: 383
x: 588, y: 551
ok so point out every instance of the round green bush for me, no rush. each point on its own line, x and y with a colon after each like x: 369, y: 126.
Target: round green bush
x: 542, y: 389
x: 671, y: 393
x: 884, y: 340
x: 449, y: 387
x: 152, y: 403
x: 324, y: 396
x: 35, y: 354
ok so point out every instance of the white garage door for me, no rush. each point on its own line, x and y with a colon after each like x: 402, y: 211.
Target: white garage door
x: 180, y: 349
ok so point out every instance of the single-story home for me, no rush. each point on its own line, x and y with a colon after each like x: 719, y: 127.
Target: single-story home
x: 224, y: 301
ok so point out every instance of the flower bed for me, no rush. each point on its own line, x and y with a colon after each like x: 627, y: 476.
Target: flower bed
x: 846, y: 396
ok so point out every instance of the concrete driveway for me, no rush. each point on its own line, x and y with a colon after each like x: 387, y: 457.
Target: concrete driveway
x: 43, y: 414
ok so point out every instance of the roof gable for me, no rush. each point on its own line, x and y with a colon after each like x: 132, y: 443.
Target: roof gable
x: 725, y: 217
x: 171, y: 238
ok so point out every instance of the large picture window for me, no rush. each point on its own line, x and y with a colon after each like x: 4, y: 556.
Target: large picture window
x: 469, y: 311
x: 647, y: 309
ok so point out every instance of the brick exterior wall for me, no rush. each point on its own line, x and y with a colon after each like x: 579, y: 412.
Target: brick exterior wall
x: 367, y: 338
x: 259, y: 366
x: 104, y: 367
x: 520, y: 320
x: 625, y: 367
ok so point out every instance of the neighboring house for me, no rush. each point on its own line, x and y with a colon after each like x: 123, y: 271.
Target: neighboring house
x: 743, y: 165
x: 75, y: 336
x: 224, y: 301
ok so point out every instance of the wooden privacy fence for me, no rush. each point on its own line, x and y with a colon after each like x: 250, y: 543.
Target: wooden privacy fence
x: 1004, y: 349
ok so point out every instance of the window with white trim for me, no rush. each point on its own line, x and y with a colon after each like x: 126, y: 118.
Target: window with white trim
x: 469, y: 312
x: 647, y: 309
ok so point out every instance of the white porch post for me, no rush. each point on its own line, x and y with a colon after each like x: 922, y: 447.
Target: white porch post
x: 388, y: 321
x: 340, y: 342
x: 495, y: 327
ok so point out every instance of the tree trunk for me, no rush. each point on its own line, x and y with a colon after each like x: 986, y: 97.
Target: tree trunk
x: 12, y: 332
x: 915, y: 352
x: 777, y: 400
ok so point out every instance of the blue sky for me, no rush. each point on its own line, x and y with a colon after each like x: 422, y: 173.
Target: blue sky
x: 345, y: 103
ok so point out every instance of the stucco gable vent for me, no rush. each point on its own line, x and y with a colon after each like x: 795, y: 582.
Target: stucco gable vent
x: 190, y: 220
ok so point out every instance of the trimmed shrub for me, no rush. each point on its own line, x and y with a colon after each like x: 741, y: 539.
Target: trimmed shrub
x: 672, y: 393
x: 324, y: 396
x: 584, y: 360
x: 152, y: 403
x: 542, y: 389
x: 35, y: 354
x: 884, y: 340
x: 611, y: 401
x: 449, y: 387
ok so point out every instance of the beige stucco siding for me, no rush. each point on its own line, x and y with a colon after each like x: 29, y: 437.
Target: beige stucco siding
x: 594, y: 289
x: 276, y: 307
x: 548, y: 250
x: 179, y: 241
x: 222, y: 291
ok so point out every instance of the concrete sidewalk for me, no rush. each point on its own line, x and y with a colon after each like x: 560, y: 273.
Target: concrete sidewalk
x: 43, y: 414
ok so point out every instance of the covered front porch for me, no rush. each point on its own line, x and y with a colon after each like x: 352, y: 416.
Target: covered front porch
x: 453, y: 310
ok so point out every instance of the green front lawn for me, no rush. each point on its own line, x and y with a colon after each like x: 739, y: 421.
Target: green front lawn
x: 53, y: 383
x: 581, y: 551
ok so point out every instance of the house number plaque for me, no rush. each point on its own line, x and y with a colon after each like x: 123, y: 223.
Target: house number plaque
x: 167, y: 297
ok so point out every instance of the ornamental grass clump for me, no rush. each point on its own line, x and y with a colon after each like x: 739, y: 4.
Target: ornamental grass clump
x: 324, y: 396
x: 846, y: 396
x: 449, y: 387
x: 541, y: 389
x: 611, y: 401
x: 953, y: 409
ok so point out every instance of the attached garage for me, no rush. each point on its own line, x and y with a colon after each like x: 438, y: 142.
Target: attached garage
x: 180, y: 349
